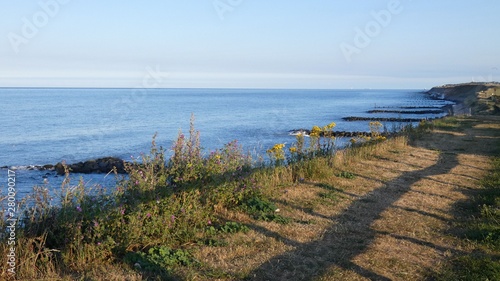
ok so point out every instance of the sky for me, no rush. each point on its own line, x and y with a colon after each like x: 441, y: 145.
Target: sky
x: 335, y: 44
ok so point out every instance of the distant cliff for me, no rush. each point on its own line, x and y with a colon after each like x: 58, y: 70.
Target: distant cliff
x: 481, y: 98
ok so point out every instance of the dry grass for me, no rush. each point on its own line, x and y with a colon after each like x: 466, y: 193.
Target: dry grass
x: 387, y: 223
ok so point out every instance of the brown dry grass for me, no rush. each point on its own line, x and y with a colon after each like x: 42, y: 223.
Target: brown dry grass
x: 388, y: 223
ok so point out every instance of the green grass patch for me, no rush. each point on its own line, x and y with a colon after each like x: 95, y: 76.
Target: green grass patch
x: 159, y: 260
x: 471, y: 268
x: 263, y: 209
x: 346, y: 175
x: 333, y: 196
x: 483, y: 230
x: 453, y: 123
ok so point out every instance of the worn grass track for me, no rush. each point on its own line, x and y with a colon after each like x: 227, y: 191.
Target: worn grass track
x: 391, y: 221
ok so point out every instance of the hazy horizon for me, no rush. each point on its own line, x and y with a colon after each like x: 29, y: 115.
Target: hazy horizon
x: 383, y: 44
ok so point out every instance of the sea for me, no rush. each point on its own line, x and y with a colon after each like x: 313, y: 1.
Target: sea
x: 48, y: 125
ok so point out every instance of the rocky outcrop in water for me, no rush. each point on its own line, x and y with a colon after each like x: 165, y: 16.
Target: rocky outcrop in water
x: 101, y: 165
x: 428, y: 111
x: 337, y: 134
x: 405, y: 120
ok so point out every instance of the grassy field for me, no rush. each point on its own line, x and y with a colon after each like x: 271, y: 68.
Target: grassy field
x: 420, y: 206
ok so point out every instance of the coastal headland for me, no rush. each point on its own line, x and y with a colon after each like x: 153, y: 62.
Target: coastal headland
x: 470, y: 98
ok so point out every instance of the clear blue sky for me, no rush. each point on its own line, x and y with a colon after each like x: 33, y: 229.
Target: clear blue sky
x: 248, y: 44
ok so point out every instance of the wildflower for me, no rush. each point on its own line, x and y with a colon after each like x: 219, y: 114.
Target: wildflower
x: 293, y: 149
x: 96, y: 224
x: 148, y: 215
x: 375, y: 128
x: 277, y: 151
x: 98, y: 243
x: 331, y: 125
x: 122, y: 211
x: 315, y: 131
x: 172, y: 218
x: 78, y: 208
x: 209, y: 222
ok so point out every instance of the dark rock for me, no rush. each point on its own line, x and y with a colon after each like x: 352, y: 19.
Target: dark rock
x: 90, y: 166
x: 435, y: 111
x: 338, y: 134
x: 47, y: 167
x: 59, y: 167
x: 382, y: 119
x: 101, y: 165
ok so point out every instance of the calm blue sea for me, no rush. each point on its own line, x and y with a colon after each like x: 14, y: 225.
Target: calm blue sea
x: 46, y: 125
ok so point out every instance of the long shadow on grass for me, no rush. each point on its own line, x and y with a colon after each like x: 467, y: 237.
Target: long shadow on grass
x: 350, y: 235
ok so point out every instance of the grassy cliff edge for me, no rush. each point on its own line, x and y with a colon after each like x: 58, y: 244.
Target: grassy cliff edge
x: 482, y: 98
x: 403, y: 208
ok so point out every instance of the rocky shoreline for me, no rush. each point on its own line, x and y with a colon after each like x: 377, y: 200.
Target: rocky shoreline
x: 94, y: 166
x: 465, y: 96
x: 424, y: 111
x: 337, y: 134
x: 382, y: 119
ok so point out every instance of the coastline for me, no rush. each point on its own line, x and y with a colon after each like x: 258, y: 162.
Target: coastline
x: 370, y: 205
x: 469, y: 98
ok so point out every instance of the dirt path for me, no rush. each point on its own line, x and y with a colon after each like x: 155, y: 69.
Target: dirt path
x: 394, y: 225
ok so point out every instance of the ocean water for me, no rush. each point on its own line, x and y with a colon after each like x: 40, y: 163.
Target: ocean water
x: 47, y: 125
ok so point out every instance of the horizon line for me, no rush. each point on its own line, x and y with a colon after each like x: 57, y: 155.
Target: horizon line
x: 192, y: 88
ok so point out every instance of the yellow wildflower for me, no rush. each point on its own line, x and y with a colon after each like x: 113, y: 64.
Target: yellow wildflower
x: 331, y: 125
x: 315, y: 131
